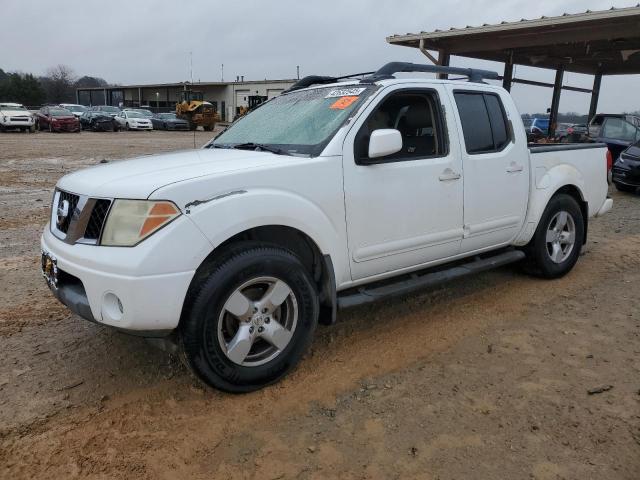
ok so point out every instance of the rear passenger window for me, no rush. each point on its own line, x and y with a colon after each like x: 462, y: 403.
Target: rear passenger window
x: 484, y: 123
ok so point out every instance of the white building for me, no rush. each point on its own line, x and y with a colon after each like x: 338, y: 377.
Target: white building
x: 227, y: 97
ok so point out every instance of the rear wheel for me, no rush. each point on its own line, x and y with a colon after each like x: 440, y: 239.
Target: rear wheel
x: 625, y: 188
x: 556, y: 245
x: 208, y: 128
x: 251, y: 320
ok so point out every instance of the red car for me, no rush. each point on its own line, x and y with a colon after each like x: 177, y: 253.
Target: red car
x: 57, y: 119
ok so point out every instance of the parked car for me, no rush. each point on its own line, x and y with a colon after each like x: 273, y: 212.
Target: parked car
x: 57, y: 119
x: 146, y: 113
x: 626, y: 169
x: 16, y: 116
x: 98, y: 122
x: 540, y: 127
x: 132, y: 120
x: 111, y: 110
x: 74, y: 108
x: 570, y: 132
x: 169, y: 121
x: 328, y: 196
x: 617, y: 131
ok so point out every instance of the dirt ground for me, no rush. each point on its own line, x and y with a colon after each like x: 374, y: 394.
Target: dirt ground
x: 484, y: 378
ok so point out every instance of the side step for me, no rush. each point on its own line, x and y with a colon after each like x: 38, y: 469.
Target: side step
x: 417, y: 281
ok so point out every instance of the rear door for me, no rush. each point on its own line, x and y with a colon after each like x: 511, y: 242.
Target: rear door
x: 496, y: 169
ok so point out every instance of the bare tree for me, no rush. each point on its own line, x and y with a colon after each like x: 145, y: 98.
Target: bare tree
x: 59, y: 84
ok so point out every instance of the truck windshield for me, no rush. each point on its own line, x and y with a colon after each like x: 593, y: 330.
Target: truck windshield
x: 297, y: 123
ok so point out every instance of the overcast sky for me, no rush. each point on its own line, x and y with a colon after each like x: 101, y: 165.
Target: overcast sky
x: 148, y: 41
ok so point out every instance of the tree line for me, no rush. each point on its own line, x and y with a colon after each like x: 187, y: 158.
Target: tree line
x: 57, y: 86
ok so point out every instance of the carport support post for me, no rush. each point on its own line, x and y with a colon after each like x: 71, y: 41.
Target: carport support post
x: 443, y: 60
x: 555, y: 101
x: 595, y: 95
x: 508, y: 73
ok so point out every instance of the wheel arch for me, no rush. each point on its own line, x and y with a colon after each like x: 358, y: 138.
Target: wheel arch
x: 575, y: 192
x: 319, y: 265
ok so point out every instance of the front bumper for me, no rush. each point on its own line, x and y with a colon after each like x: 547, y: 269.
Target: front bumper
x: 141, y: 127
x: 9, y: 123
x: 630, y: 178
x: 65, y: 127
x: 138, y: 289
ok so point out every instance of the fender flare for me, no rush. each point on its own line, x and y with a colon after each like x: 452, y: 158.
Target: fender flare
x: 544, y: 185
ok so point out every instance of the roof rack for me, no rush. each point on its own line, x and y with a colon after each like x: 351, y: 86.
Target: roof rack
x: 387, y: 71
x: 321, y: 80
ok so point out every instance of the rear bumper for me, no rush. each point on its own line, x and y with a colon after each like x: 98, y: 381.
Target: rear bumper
x: 606, y: 207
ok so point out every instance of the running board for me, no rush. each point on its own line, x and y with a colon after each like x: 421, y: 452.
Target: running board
x: 417, y: 281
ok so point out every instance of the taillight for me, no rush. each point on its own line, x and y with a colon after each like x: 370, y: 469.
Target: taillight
x: 609, y: 160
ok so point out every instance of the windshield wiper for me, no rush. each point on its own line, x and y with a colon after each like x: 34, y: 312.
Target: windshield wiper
x: 260, y: 146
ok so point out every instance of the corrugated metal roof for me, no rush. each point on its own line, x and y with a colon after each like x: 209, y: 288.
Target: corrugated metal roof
x: 585, y: 16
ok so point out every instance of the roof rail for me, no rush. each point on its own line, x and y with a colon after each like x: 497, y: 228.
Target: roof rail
x: 320, y: 80
x: 387, y: 71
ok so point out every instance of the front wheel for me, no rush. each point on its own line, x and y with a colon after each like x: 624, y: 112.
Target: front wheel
x: 556, y: 245
x: 250, y: 321
x: 126, y: 126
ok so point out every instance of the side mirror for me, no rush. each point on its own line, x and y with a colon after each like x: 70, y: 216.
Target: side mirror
x: 384, y: 142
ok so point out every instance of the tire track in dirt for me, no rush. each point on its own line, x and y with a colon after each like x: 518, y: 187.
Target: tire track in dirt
x: 147, y: 424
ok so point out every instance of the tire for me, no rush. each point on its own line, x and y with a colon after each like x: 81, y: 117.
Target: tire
x: 625, y: 188
x: 248, y: 271
x: 207, y: 128
x: 50, y: 129
x: 126, y: 126
x: 543, y: 257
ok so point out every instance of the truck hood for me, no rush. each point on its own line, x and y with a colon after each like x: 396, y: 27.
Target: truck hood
x: 139, y: 177
x: 14, y: 113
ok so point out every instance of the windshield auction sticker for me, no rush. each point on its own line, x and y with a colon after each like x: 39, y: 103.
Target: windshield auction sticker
x: 345, y: 92
x: 343, y: 102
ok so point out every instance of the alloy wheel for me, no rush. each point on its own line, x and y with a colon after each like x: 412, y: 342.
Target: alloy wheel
x: 257, y: 321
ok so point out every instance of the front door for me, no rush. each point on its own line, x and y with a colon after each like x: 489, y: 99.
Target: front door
x: 403, y: 210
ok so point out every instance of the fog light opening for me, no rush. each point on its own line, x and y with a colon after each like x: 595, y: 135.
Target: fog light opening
x: 112, y: 307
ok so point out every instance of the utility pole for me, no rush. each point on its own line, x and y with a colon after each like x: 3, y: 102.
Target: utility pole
x: 298, y: 71
x: 191, y: 65
x: 222, y: 74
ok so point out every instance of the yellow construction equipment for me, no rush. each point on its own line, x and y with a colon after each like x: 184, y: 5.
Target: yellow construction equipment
x: 192, y: 108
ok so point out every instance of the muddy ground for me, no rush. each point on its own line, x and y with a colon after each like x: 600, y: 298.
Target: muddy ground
x: 484, y: 378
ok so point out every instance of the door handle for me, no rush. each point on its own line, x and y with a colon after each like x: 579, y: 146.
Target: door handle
x: 514, y: 168
x: 449, y: 175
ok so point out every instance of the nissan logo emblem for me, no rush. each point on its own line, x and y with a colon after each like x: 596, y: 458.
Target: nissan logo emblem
x: 63, y: 212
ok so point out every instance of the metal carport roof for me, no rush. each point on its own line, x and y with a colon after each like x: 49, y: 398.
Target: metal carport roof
x: 593, y: 42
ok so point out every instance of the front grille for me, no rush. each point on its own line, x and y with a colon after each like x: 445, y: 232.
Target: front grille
x: 97, y: 219
x: 19, y: 119
x: 73, y: 203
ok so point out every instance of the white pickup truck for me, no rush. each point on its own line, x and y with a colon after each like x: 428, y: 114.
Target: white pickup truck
x: 328, y: 196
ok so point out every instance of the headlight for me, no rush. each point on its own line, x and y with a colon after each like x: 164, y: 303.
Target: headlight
x: 131, y: 221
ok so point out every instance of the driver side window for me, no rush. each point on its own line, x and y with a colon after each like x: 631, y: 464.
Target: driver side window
x: 416, y: 115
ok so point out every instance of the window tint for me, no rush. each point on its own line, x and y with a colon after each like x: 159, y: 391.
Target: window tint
x: 416, y: 116
x: 484, y: 125
x: 498, y: 122
x: 475, y: 122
